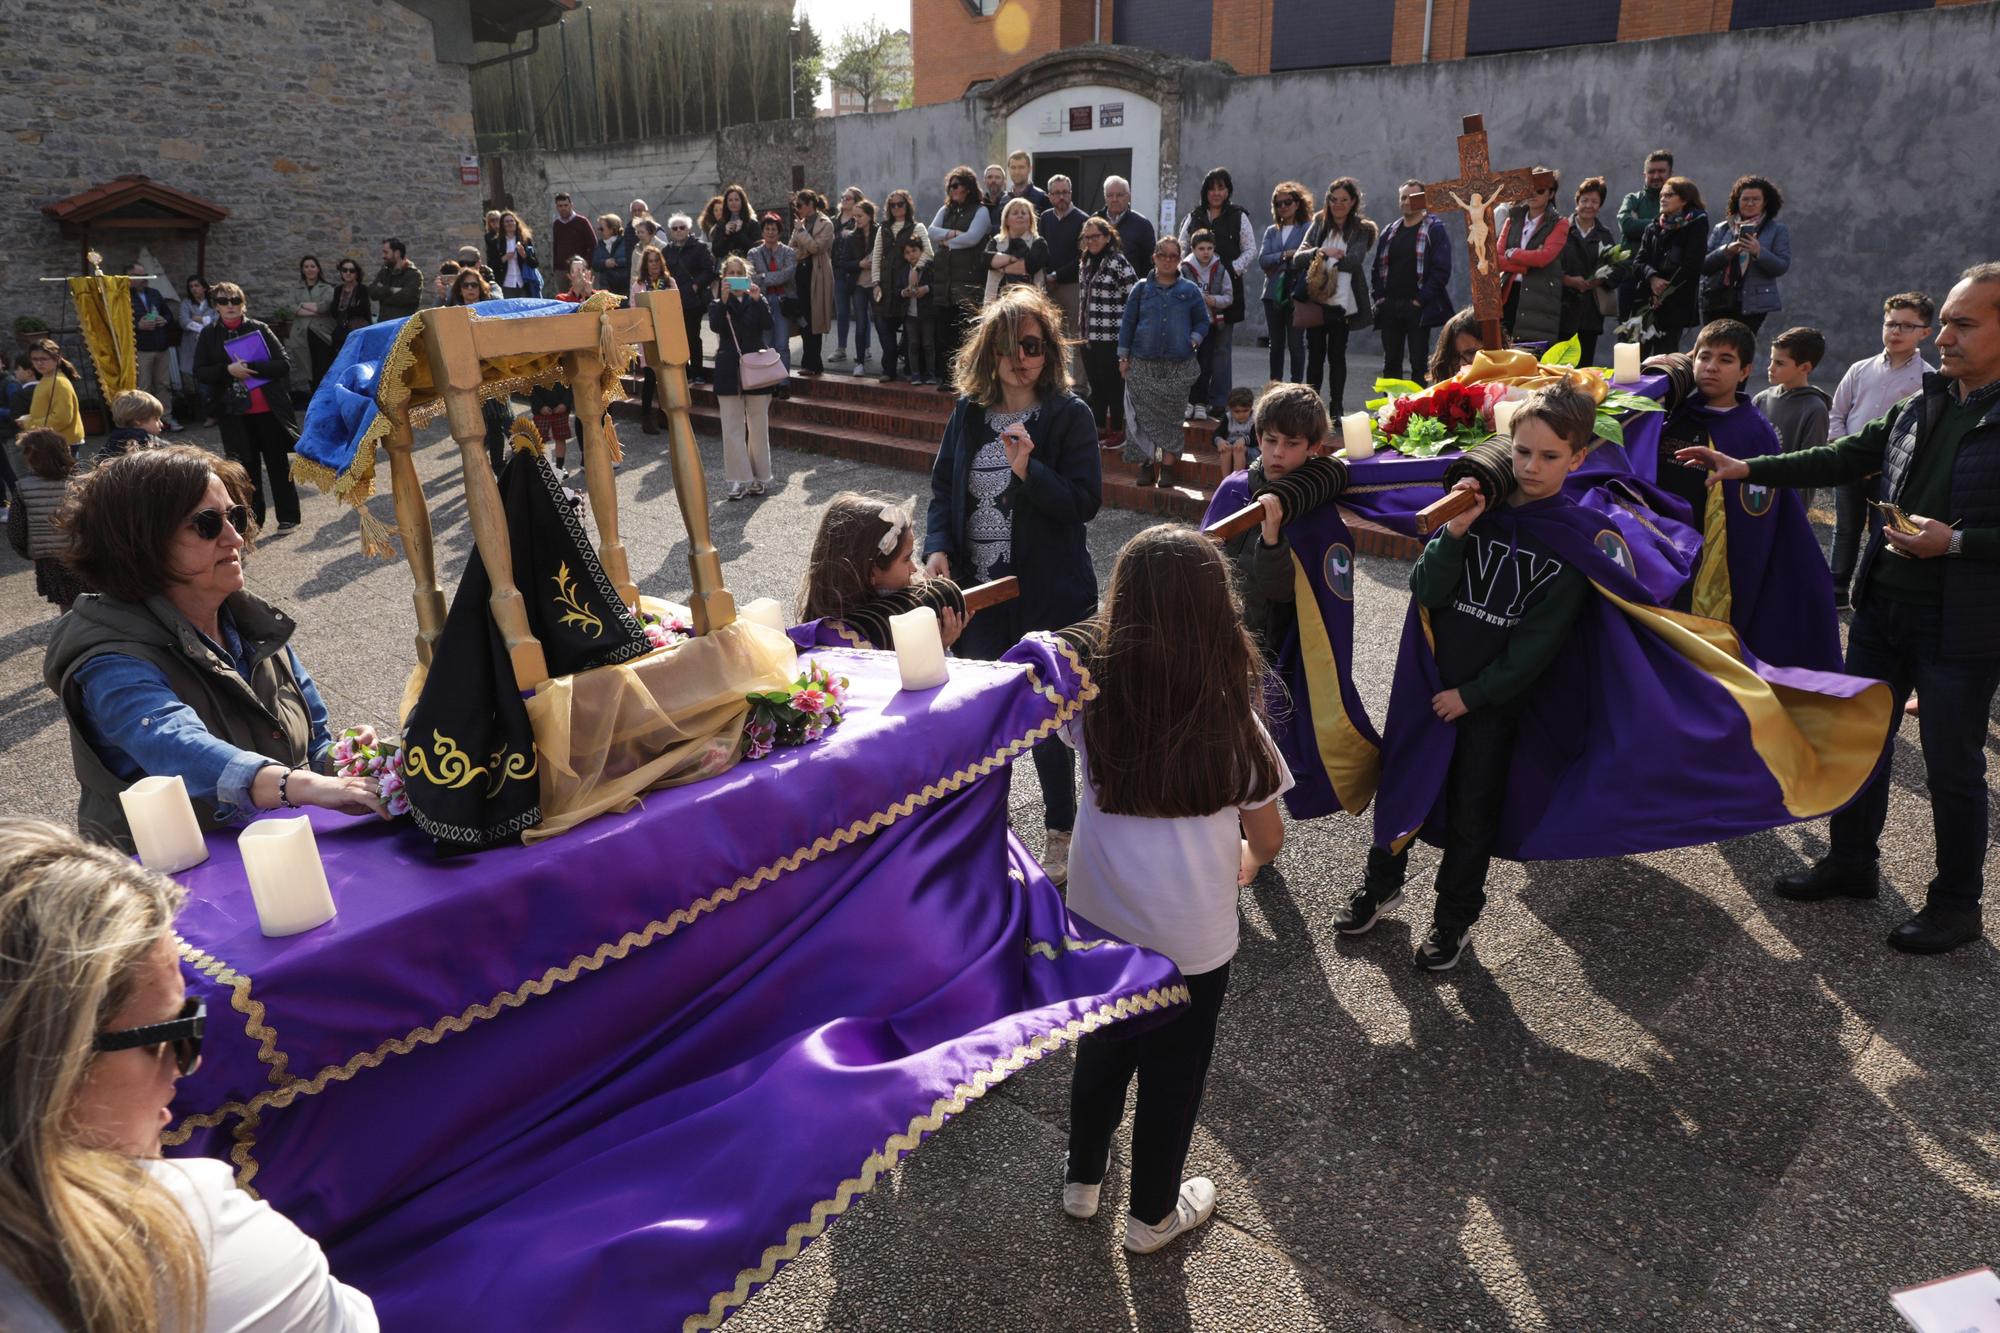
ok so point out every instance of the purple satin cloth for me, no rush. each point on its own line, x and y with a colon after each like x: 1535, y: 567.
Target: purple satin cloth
x: 624, y: 1149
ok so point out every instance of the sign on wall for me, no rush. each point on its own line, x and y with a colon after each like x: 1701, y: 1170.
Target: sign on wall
x: 468, y: 170
x: 1079, y: 118
x: 1110, y: 116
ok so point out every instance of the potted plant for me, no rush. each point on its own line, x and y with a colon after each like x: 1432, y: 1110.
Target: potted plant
x: 29, y: 330
x: 95, y: 416
x: 280, y: 320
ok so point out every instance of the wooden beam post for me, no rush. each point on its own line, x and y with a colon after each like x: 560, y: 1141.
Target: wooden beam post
x: 454, y: 363
x: 711, y: 604
x: 584, y: 370
x: 413, y: 520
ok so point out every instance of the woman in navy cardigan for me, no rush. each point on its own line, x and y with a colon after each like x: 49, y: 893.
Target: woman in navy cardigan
x: 1016, y: 480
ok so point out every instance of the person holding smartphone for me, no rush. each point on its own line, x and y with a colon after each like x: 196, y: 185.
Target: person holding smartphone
x: 1748, y: 252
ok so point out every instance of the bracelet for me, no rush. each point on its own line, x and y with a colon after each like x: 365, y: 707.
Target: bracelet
x: 284, y: 795
x: 1956, y: 544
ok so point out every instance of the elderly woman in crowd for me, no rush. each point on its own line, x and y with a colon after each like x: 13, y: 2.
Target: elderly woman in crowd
x: 1748, y: 252
x: 1165, y: 319
x: 693, y: 270
x: 172, y: 667
x: 1587, y: 298
x: 1016, y: 480
x: 96, y: 1028
x: 257, y: 424
x: 812, y: 244
x: 609, y: 260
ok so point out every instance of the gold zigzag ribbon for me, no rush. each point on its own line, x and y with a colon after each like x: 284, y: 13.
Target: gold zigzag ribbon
x: 291, y: 1089
x: 882, y: 1160
x: 1044, y: 949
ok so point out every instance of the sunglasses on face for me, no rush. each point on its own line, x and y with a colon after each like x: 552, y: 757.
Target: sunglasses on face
x: 183, y: 1034
x: 207, y: 523
x: 228, y: 300
x: 349, y: 268
x: 1029, y: 347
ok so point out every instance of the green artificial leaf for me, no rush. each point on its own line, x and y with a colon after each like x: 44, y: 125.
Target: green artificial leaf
x: 1608, y: 428
x: 1397, y: 386
x: 1565, y: 353
x: 1622, y: 401
x: 1377, y: 404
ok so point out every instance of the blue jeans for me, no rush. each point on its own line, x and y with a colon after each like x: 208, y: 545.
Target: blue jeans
x: 852, y: 301
x: 843, y: 306
x: 781, y: 331
x: 1898, y: 643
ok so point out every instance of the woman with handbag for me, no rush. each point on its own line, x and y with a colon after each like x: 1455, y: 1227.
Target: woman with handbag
x: 747, y: 371
x: 812, y: 243
x: 1587, y: 298
x: 1333, y: 260
x: 1282, y: 240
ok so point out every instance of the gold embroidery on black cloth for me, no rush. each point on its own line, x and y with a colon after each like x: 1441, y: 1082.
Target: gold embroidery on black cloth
x: 576, y: 613
x: 508, y: 766
x: 455, y: 768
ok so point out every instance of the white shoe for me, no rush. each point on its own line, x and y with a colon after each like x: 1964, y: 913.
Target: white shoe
x: 1081, y: 1200
x: 861, y: 367
x: 1197, y: 1201
x: 736, y: 489
x: 1200, y: 413
x: 1055, y: 860
x: 839, y: 357
x: 756, y: 488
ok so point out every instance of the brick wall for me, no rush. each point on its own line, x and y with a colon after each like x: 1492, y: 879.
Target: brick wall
x: 1671, y: 18
x: 951, y: 49
x: 341, y: 128
x: 1240, y: 35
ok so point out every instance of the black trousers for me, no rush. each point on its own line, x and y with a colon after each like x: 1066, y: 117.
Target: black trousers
x: 1171, y: 1060
x: 809, y: 349
x: 1475, y: 792
x: 1107, y: 385
x: 1850, y: 524
x: 1901, y: 643
x: 1401, y: 325
x: 260, y: 443
x: 952, y: 321
x: 1586, y: 342
x: 1326, y: 354
x: 320, y: 356
x: 989, y: 634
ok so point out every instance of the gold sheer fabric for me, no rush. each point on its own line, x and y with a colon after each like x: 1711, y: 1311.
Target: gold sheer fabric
x: 674, y: 716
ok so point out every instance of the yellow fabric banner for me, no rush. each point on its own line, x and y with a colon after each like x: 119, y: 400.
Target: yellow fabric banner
x: 104, y: 313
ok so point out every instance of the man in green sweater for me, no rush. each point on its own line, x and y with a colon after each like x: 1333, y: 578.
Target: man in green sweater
x: 1635, y: 214
x: 1927, y: 606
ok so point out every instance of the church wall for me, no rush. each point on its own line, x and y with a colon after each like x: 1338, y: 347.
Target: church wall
x: 323, y: 128
x: 1862, y: 124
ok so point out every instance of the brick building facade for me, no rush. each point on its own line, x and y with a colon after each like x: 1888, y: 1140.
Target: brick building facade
x: 960, y: 43
x: 321, y: 128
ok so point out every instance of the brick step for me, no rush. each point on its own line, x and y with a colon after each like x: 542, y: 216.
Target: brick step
x: 809, y: 410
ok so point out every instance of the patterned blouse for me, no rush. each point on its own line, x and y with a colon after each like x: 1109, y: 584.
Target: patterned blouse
x: 989, y: 528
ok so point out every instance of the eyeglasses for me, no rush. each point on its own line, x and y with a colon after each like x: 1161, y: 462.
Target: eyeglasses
x: 207, y: 523
x: 183, y: 1034
x: 1898, y: 326
x: 678, y: 226
x: 1029, y: 346
x: 227, y: 300
x: 349, y: 268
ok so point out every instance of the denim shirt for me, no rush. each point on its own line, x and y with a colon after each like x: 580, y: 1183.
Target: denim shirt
x: 1164, y: 324
x: 160, y: 734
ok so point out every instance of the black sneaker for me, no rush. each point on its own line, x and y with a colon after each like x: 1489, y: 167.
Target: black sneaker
x: 1840, y: 600
x: 1829, y: 878
x: 1441, y: 949
x: 1364, y: 909
x: 1166, y: 475
x: 1933, y: 931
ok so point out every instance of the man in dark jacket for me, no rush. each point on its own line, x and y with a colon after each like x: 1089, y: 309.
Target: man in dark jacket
x: 1135, y: 231
x: 692, y: 268
x: 570, y: 234
x: 1062, y: 229
x: 153, y: 335
x: 1412, y: 283
x: 1926, y: 608
x: 398, y: 288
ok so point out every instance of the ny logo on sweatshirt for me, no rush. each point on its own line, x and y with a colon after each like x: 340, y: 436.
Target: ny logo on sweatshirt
x: 1501, y: 579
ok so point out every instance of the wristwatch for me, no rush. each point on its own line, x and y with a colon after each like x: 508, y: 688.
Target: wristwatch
x: 1956, y: 546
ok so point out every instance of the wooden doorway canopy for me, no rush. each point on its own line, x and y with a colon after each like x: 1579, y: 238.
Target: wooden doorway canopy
x: 135, y: 203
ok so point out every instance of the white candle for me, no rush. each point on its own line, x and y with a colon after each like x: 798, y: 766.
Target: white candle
x: 163, y: 825
x: 1357, y: 437
x: 919, y: 649
x: 764, y: 611
x: 1625, y: 363
x: 286, y: 877
x: 1503, y: 415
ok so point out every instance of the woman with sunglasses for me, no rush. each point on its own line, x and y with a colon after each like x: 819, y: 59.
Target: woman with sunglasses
x: 1015, y: 481
x: 172, y: 667
x: 350, y: 304
x: 469, y: 287
x: 249, y: 397
x: 97, y: 1027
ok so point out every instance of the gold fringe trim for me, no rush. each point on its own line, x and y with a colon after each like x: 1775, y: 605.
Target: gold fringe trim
x: 879, y: 1162
x: 1044, y: 949
x: 654, y: 931
x: 254, y: 1027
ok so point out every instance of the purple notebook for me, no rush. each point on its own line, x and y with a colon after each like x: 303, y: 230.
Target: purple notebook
x: 249, y: 348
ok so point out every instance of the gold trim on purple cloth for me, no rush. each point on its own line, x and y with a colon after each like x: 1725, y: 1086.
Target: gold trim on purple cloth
x: 878, y: 1163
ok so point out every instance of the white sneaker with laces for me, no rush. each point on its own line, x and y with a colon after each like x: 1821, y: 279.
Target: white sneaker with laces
x: 1197, y: 1201
x: 860, y: 368
x: 1081, y: 1200
x: 1055, y: 860
x: 1200, y: 413
x: 736, y: 489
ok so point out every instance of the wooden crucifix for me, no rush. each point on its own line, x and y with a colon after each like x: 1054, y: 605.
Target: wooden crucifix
x: 1475, y: 192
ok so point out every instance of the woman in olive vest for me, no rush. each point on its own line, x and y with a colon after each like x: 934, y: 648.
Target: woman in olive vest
x: 958, y: 275
x: 171, y: 667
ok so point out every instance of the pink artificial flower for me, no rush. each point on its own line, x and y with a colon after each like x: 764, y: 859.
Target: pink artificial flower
x: 810, y: 701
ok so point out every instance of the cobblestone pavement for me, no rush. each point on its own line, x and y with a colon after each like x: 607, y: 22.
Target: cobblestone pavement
x: 1653, y: 1097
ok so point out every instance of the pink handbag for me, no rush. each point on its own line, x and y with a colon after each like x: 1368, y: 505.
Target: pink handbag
x: 761, y: 369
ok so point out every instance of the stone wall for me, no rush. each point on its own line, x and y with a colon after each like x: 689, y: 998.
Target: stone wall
x: 310, y: 152
x: 673, y: 175
x: 1867, y: 126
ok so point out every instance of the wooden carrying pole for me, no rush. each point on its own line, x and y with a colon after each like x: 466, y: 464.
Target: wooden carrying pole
x: 1440, y: 512
x: 982, y: 595
x: 1231, y: 526
x: 711, y: 605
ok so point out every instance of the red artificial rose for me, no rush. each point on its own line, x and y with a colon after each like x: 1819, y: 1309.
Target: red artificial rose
x: 1399, y: 417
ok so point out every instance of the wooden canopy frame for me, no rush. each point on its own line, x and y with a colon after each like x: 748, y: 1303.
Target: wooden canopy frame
x: 455, y: 343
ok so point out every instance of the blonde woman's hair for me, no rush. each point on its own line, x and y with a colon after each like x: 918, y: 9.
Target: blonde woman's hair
x: 87, y: 1231
x: 734, y: 265
x: 1034, y: 226
x: 976, y: 368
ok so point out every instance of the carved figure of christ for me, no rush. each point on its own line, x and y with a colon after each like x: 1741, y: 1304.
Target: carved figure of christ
x: 1476, y: 192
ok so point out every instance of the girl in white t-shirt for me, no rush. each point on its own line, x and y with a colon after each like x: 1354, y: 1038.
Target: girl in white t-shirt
x: 1182, y: 779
